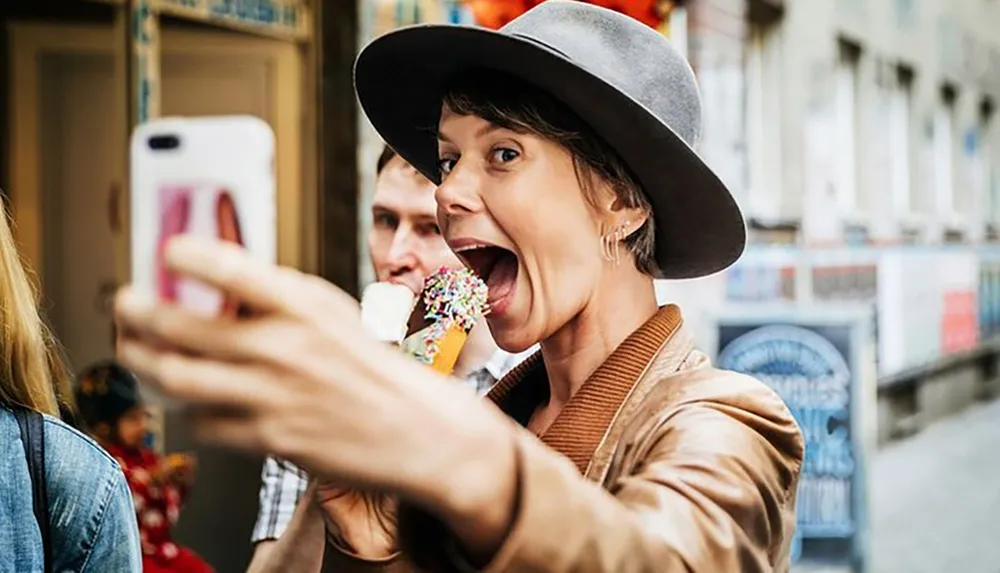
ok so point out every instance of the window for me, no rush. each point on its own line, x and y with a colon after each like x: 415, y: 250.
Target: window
x: 944, y: 179
x: 982, y: 165
x: 900, y: 105
x: 678, y: 27
x: 763, y: 122
x: 846, y: 127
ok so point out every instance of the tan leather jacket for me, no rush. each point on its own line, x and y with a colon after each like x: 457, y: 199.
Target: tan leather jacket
x: 688, y: 468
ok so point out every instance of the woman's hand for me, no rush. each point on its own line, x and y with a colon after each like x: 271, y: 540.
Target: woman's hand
x: 300, y: 379
x: 363, y: 524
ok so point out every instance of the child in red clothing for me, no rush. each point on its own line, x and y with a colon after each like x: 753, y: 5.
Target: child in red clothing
x: 109, y: 401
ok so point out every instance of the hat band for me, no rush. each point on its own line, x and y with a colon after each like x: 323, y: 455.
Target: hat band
x: 538, y: 42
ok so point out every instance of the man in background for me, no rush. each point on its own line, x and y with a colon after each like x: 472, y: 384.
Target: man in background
x: 406, y: 246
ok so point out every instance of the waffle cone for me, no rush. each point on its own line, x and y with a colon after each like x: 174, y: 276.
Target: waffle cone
x: 449, y: 347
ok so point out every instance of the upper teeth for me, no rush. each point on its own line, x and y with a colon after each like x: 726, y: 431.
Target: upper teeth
x: 471, y: 247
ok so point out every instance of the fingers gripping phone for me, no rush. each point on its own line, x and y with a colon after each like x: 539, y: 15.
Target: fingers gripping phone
x: 212, y: 177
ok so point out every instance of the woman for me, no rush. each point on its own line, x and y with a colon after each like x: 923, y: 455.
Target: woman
x: 89, y: 522
x: 562, y: 149
x: 116, y: 415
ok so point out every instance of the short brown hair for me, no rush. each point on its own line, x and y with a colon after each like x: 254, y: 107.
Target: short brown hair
x: 384, y: 158
x: 511, y: 103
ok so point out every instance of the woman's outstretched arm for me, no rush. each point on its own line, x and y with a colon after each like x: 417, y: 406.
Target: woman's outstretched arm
x: 713, y: 491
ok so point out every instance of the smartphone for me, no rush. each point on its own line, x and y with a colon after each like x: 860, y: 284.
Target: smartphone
x: 207, y: 176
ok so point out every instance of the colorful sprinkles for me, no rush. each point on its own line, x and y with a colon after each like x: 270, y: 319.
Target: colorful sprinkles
x: 452, y: 297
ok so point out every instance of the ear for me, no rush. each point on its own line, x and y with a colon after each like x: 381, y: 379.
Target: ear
x: 632, y: 218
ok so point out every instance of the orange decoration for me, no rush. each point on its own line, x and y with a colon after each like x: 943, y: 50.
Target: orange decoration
x: 496, y: 13
x: 649, y: 12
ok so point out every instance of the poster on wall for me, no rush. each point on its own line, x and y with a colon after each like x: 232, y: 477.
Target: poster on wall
x: 760, y: 283
x: 845, y: 283
x: 989, y: 295
x: 930, y: 305
x: 821, y: 363
x: 958, y: 274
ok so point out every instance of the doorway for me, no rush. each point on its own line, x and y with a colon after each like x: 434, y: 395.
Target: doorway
x: 64, y: 160
x: 66, y: 157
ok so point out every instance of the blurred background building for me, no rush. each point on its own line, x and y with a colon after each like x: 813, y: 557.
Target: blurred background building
x: 859, y: 136
x: 77, y: 75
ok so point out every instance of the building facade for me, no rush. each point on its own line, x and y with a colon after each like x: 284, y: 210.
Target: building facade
x: 854, y: 121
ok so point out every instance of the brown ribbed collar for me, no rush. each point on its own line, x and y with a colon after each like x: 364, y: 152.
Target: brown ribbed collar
x: 580, y: 427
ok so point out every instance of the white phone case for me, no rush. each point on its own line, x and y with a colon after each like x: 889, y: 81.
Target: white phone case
x: 217, y: 182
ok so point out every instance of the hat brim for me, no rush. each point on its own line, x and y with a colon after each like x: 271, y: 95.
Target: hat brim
x: 400, y: 80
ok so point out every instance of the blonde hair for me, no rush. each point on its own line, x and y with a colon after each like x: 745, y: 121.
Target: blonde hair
x: 33, y: 374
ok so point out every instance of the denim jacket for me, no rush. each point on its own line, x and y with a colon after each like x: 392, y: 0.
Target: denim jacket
x: 91, y: 517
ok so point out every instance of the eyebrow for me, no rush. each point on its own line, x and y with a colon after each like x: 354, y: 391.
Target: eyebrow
x: 380, y: 209
x: 489, y: 127
x: 425, y: 218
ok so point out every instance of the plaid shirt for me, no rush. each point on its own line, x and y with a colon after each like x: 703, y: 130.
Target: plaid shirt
x: 283, y: 483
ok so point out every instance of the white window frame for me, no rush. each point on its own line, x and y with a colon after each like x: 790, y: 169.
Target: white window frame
x: 984, y: 200
x: 678, y: 24
x: 763, y: 122
x: 846, y: 102
x: 944, y: 159
x: 991, y: 153
x: 900, y: 149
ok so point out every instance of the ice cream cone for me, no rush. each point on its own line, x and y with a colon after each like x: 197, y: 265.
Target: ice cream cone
x: 453, y: 302
x: 449, y: 347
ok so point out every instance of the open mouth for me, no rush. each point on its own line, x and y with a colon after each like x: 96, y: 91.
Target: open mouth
x: 495, y: 265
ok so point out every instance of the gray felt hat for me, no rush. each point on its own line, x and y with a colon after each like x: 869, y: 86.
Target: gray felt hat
x: 620, y: 76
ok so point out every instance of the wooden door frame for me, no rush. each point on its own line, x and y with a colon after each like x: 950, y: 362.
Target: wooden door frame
x: 338, y: 235
x: 29, y: 41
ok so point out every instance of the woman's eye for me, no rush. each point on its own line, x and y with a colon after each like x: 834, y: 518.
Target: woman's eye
x: 445, y: 165
x: 504, y: 155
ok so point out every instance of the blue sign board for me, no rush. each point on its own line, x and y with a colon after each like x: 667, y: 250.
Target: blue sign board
x: 285, y: 17
x: 813, y: 367
x: 989, y: 297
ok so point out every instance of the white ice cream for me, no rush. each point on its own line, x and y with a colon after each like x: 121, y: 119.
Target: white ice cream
x: 385, y: 310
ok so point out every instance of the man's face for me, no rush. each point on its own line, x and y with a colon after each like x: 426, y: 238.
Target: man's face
x: 404, y: 241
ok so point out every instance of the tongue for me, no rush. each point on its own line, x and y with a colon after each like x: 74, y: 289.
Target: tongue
x: 501, y: 279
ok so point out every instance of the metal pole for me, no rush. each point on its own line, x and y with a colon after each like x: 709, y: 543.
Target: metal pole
x: 137, y: 69
x: 139, y: 65
x: 145, y: 61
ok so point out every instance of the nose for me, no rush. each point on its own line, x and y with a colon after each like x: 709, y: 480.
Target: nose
x: 404, y: 264
x: 458, y: 194
x: 402, y: 255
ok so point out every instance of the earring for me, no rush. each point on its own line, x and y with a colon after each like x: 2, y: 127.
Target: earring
x: 613, y: 239
x: 610, y: 248
x: 618, y: 240
x: 606, y: 246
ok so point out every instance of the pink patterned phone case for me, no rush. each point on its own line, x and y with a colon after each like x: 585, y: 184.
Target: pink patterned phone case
x: 205, y: 210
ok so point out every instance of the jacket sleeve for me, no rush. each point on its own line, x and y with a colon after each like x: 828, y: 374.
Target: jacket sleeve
x: 115, y: 542
x: 712, y: 491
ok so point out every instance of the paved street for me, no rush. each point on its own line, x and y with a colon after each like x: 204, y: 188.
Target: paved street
x: 936, y: 498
